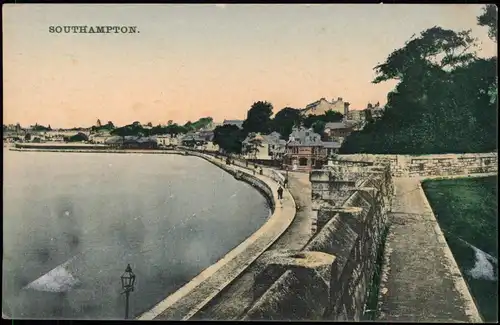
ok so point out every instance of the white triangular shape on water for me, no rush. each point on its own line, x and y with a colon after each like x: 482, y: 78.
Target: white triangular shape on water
x: 57, y: 280
x: 483, y: 269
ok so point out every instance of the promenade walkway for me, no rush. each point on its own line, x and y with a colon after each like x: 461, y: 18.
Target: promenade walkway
x: 237, y: 298
x: 423, y: 282
x: 188, y: 300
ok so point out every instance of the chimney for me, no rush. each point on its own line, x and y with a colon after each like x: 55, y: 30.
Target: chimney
x: 346, y: 109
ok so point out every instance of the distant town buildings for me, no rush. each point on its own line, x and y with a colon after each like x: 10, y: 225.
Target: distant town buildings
x: 376, y: 111
x: 257, y: 146
x: 338, y: 130
x: 167, y: 140
x: 132, y: 142
x: 356, y: 115
x: 202, y: 140
x: 322, y: 106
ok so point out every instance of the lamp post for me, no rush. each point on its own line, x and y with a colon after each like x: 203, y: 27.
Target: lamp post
x: 128, y: 281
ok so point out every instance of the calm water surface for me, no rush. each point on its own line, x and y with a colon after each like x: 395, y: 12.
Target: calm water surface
x: 86, y: 216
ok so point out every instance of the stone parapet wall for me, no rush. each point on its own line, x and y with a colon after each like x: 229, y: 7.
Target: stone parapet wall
x: 329, y: 278
x: 426, y: 165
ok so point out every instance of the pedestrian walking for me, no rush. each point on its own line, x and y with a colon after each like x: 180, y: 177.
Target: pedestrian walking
x: 285, y: 183
x: 280, y: 193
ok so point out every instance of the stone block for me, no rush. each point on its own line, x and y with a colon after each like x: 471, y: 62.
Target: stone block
x: 276, y: 262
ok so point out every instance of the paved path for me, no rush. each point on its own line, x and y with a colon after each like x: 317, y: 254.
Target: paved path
x: 236, y: 299
x: 188, y: 300
x: 424, y: 283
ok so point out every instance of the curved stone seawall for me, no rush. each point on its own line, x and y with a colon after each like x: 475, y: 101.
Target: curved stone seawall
x: 329, y: 277
x: 193, y: 296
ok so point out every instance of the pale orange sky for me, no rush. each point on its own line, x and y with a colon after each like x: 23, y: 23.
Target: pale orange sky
x: 190, y: 61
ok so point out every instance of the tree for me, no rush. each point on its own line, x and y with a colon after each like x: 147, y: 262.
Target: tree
x: 489, y: 18
x: 110, y: 125
x: 319, y: 127
x: 328, y: 116
x: 27, y: 137
x: 434, y: 50
x: 202, y: 123
x: 229, y: 138
x: 149, y: 124
x: 331, y: 116
x: 134, y: 129
x: 259, y: 118
x: 188, y: 126
x: 253, y: 146
x: 285, y: 120
x: 79, y: 137
x: 98, y: 124
x: 175, y: 129
x: 170, y: 122
x: 442, y: 103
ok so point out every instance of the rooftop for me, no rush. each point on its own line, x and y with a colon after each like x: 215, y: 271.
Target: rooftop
x: 338, y: 125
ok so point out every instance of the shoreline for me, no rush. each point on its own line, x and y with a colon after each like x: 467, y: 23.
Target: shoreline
x: 185, y: 302
x: 104, y: 150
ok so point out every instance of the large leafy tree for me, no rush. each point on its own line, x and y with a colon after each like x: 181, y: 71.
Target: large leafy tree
x: 79, y: 137
x: 319, y: 127
x: 489, y: 18
x: 442, y: 102
x: 259, y: 118
x: 285, y: 120
x: 229, y: 138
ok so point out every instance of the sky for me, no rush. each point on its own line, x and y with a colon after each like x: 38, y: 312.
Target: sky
x: 191, y: 60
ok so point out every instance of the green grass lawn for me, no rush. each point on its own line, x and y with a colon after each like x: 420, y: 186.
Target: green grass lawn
x: 467, y: 208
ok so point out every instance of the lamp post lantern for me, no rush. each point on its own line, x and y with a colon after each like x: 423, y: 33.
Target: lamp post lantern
x: 128, y: 281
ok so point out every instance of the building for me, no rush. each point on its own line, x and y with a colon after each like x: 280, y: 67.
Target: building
x: 132, y: 142
x: 331, y: 147
x: 200, y: 140
x: 59, y: 135
x: 376, y: 111
x: 336, y: 130
x: 238, y: 123
x: 322, y: 106
x: 192, y: 140
x: 98, y: 138
x: 356, y: 115
x: 304, y: 150
x: 166, y: 140
x: 264, y: 147
x: 208, y: 137
x: 211, y: 146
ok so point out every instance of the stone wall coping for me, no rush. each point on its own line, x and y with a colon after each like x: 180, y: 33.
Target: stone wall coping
x: 458, y: 280
x: 423, y: 156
